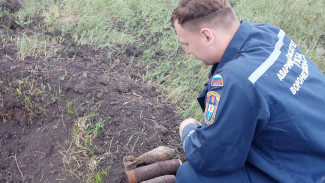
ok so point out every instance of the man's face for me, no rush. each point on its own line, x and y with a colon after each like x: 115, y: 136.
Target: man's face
x: 195, y: 44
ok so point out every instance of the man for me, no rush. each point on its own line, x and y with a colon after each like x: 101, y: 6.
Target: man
x: 264, y: 103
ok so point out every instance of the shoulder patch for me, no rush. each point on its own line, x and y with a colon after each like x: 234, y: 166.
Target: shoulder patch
x: 212, y: 103
x: 217, y: 80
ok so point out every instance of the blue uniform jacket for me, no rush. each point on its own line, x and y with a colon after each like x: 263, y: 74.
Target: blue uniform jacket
x: 264, y: 105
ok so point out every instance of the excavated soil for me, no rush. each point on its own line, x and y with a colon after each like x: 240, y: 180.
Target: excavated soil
x: 43, y: 101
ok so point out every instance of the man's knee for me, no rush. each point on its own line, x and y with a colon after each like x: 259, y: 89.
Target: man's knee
x: 185, y: 173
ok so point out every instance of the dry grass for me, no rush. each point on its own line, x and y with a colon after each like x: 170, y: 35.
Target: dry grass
x: 79, y: 159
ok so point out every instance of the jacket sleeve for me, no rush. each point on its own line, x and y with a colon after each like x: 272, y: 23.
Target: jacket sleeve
x: 223, y: 146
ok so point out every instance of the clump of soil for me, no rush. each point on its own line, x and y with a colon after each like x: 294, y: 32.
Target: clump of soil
x: 44, y: 99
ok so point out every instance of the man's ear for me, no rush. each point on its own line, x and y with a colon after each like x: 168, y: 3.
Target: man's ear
x: 208, y: 35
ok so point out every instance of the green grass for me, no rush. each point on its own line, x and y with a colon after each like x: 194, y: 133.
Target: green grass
x: 302, y: 20
x: 36, y: 44
x: 105, y: 24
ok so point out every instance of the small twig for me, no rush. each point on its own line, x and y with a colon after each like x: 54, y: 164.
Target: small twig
x: 21, y: 173
x: 110, y: 144
x: 63, y: 122
x: 135, y: 143
x: 45, y: 126
x: 153, y: 121
x: 61, y: 179
x: 43, y: 174
x: 128, y: 102
x: 136, y: 94
x: 69, y: 147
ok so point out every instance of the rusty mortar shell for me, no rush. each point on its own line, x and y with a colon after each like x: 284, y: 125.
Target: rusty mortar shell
x: 160, y: 153
x: 143, y: 173
x: 162, y: 179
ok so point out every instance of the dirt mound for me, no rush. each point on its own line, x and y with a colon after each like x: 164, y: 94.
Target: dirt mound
x: 66, y: 117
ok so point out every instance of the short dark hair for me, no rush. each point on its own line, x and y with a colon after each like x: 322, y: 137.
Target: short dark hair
x: 202, y: 11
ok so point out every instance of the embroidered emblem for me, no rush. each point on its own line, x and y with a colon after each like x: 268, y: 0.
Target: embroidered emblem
x: 212, y: 103
x: 217, y: 80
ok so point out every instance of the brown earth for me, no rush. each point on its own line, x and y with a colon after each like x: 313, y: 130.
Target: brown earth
x: 49, y: 104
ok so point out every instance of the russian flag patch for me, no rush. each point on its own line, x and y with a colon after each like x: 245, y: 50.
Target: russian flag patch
x: 217, y: 80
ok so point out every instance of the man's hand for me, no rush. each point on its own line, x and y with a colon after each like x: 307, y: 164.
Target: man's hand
x: 185, y: 123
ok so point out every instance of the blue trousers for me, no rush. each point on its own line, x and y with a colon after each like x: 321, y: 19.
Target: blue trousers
x: 247, y: 174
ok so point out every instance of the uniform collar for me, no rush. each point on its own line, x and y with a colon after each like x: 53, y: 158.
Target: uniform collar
x: 234, y: 46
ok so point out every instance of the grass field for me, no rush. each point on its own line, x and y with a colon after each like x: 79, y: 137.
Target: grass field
x: 106, y: 23
x: 119, y: 23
